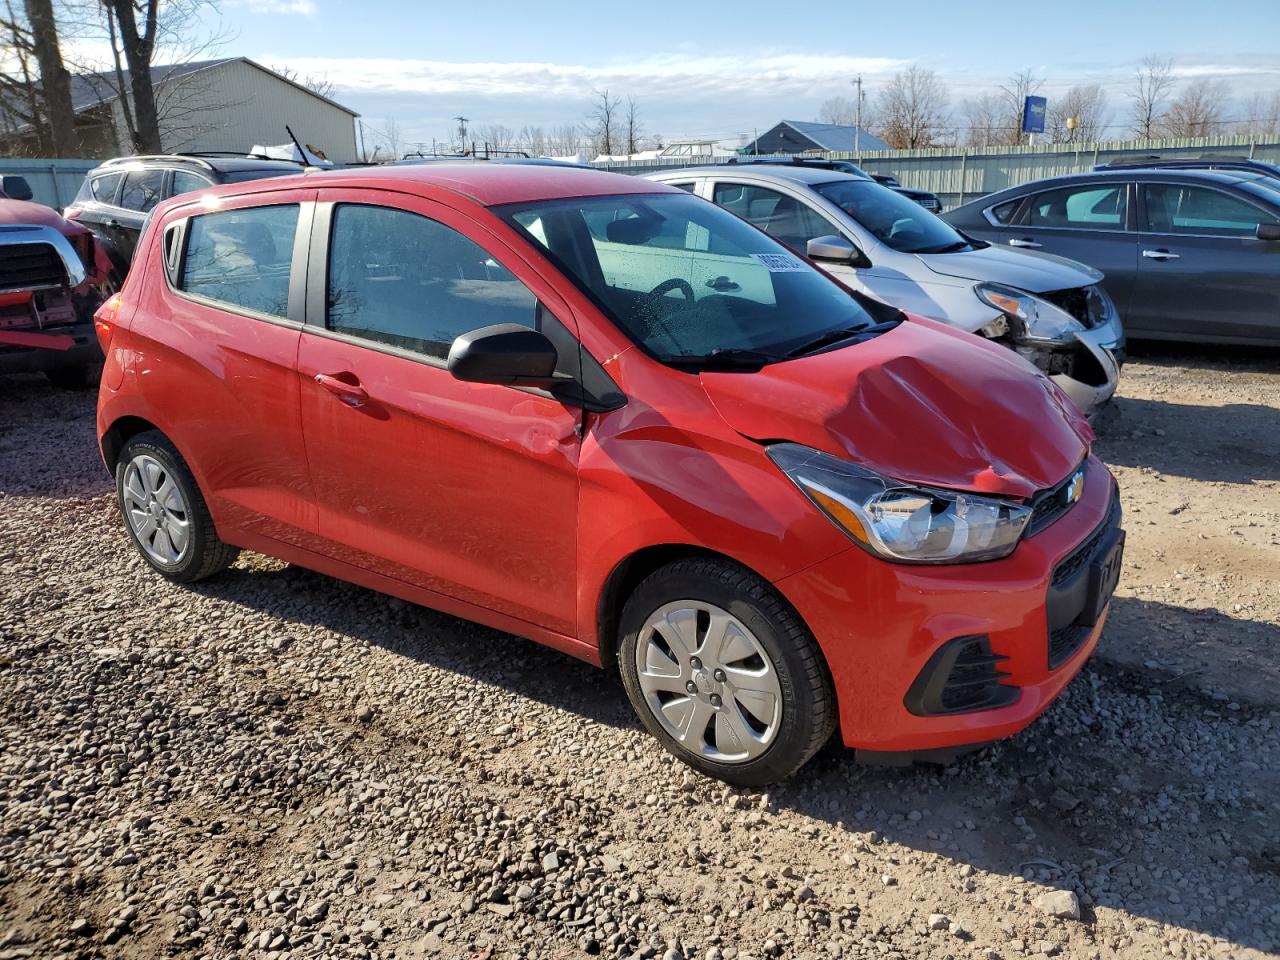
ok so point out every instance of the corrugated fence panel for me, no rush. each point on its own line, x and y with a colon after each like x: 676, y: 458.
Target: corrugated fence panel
x: 53, y: 182
x: 958, y: 175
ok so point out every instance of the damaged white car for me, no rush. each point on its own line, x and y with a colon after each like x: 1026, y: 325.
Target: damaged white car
x: 1049, y: 309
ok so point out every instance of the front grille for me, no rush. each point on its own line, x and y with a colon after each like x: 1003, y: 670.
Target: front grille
x: 30, y: 266
x: 1064, y: 641
x: 1049, y: 505
x: 1083, y: 303
x: 964, y: 675
x: 1065, y: 570
x: 929, y: 203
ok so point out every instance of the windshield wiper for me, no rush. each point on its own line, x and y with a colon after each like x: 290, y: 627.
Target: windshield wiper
x: 859, y: 333
x: 949, y: 248
x: 725, y: 358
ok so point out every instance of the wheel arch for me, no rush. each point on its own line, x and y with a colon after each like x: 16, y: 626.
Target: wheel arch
x: 122, y: 429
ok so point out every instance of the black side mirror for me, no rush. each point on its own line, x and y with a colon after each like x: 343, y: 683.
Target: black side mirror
x: 1268, y: 231
x: 15, y: 187
x: 504, y: 353
x: 832, y: 248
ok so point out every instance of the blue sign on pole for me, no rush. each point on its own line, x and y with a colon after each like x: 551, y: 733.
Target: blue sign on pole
x: 1033, y: 111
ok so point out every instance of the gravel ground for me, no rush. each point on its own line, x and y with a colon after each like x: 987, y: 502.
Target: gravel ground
x: 278, y: 765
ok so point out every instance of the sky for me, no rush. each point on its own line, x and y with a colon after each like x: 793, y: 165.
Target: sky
x: 727, y: 69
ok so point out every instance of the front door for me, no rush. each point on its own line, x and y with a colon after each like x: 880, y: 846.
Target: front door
x: 142, y: 190
x: 1202, y: 273
x: 469, y: 490
x: 1091, y: 223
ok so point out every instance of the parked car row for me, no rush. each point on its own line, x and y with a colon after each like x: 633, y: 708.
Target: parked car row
x: 599, y: 412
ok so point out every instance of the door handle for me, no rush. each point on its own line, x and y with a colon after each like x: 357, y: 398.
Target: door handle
x: 352, y: 394
x: 1160, y: 255
x: 1025, y: 243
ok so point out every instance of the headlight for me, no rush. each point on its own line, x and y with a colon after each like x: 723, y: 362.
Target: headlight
x: 899, y: 521
x: 1038, y: 319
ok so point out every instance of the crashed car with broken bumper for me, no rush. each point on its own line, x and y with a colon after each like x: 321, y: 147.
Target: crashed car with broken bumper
x: 53, y: 276
x: 1049, y: 309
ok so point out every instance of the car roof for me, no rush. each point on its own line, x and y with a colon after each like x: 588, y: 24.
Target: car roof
x: 489, y: 184
x: 764, y: 171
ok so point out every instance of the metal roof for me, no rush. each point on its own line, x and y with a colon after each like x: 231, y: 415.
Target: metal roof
x: 837, y: 137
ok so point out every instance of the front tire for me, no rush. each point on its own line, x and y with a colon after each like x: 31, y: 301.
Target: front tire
x: 724, y: 673
x: 164, y: 512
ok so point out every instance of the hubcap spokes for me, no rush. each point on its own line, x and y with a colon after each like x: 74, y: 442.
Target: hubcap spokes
x: 708, y: 681
x: 155, y: 509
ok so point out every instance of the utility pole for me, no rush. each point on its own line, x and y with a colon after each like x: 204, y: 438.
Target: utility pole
x: 462, y: 133
x: 857, y: 115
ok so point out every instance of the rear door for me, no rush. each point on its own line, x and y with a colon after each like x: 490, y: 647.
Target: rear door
x: 1090, y: 222
x: 142, y: 189
x: 215, y: 356
x: 469, y: 490
x: 1202, y: 272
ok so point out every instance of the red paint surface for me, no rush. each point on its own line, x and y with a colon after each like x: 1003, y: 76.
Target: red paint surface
x: 512, y: 509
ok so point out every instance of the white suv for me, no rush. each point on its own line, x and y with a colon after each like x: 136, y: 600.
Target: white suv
x: 1049, y: 309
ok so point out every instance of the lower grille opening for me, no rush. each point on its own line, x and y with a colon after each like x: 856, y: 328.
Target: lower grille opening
x: 962, y: 676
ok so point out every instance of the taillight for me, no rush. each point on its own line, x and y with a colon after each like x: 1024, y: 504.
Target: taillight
x: 104, y: 321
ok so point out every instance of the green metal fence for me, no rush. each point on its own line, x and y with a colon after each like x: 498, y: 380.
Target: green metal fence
x: 53, y: 182
x: 959, y: 174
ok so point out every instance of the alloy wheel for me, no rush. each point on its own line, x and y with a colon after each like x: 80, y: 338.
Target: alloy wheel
x: 156, y: 510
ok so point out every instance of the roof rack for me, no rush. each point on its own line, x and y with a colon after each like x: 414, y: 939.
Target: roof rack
x: 159, y: 156
x: 820, y: 162
x: 1177, y: 161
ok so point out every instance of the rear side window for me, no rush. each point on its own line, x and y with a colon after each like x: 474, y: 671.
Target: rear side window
x: 1088, y: 207
x: 1175, y: 208
x: 141, y: 190
x: 101, y: 189
x: 242, y: 258
x: 410, y: 282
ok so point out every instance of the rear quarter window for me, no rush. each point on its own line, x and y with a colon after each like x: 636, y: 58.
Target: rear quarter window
x: 241, y: 258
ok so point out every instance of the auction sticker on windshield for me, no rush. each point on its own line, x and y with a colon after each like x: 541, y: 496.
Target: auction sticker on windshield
x: 780, y: 262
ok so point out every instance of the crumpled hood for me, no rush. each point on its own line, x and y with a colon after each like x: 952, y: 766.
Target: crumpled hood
x: 1025, y: 269
x: 23, y: 212
x: 921, y: 403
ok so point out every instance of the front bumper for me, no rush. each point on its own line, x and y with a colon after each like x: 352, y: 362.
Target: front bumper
x: 1092, y: 361
x: 880, y: 624
x: 53, y: 348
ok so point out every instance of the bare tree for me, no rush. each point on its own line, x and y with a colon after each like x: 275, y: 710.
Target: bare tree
x: 55, y: 82
x: 564, y: 140
x: 137, y: 25
x: 532, y: 140
x: 35, y: 87
x: 631, y: 125
x: 912, y: 109
x: 320, y: 85
x: 1151, y: 85
x: 602, y: 119
x: 837, y: 110
x: 1087, y: 104
x: 1013, y: 97
x: 390, y: 137
x: 1262, y: 115
x: 1198, y: 109
x: 983, y: 121
x: 495, y: 137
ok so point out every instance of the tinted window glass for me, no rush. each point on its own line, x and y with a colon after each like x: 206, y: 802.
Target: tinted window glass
x: 103, y: 189
x: 142, y: 190
x: 242, y: 257
x: 1003, y: 212
x: 784, y: 218
x: 689, y: 185
x: 184, y: 182
x: 1173, y: 208
x: 1099, y: 207
x: 896, y: 221
x: 684, y: 278
x: 410, y: 282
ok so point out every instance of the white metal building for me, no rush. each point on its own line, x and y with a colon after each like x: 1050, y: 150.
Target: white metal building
x: 216, y: 105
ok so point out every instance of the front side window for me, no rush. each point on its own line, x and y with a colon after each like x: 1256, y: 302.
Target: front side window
x: 784, y: 218
x: 1003, y: 212
x: 103, y: 189
x: 242, y: 257
x: 1089, y: 207
x: 410, y: 282
x: 689, y: 281
x: 142, y: 190
x: 896, y: 221
x: 1175, y: 208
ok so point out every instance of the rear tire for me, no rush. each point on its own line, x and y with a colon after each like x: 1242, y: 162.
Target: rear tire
x: 165, y: 513
x: 724, y: 673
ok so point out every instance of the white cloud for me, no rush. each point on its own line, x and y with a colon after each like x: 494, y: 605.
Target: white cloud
x: 306, y: 8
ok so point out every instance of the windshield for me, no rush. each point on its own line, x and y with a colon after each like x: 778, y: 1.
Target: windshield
x: 685, y: 279
x: 893, y: 219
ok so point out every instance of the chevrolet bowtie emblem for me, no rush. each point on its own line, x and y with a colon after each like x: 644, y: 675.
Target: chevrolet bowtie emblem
x: 1075, y: 487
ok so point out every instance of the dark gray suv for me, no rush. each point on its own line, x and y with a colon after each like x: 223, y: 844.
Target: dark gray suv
x: 1188, y: 255
x: 115, y: 198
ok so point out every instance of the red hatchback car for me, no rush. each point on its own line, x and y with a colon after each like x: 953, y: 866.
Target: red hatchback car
x: 609, y: 416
